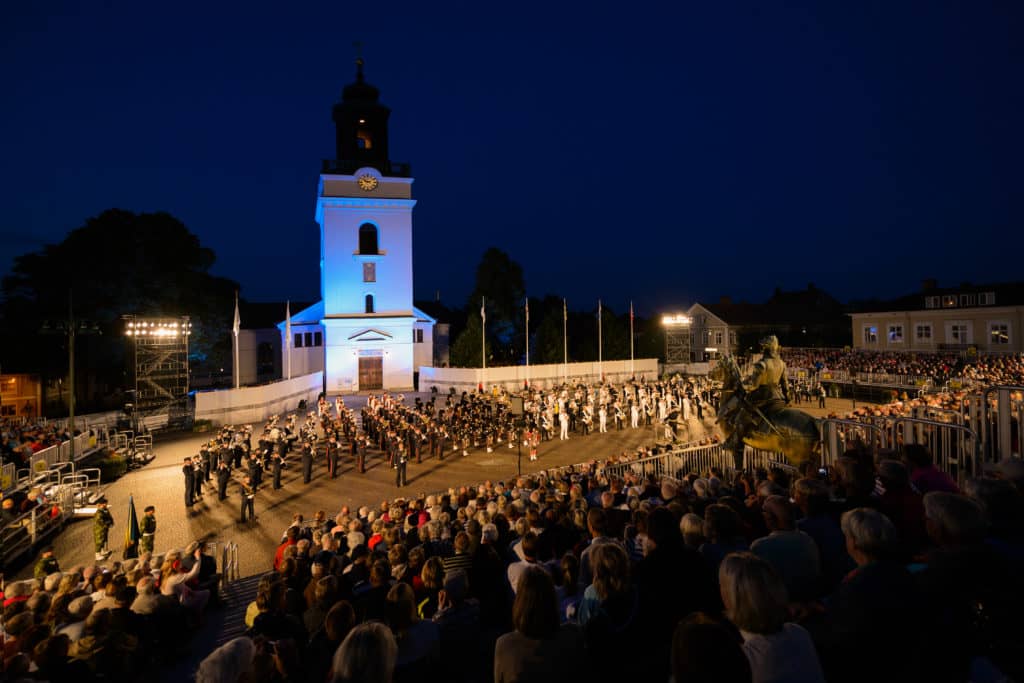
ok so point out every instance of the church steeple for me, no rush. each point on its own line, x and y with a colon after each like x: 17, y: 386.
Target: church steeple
x: 361, y: 124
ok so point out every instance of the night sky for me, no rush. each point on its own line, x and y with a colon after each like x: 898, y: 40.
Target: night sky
x: 616, y: 150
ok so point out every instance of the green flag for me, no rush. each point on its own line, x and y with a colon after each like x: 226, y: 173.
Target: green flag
x: 131, y: 532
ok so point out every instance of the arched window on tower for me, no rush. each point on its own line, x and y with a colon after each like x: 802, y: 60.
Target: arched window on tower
x: 369, y: 303
x: 363, y: 139
x: 368, y: 238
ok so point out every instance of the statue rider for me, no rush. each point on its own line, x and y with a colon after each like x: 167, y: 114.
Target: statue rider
x: 766, y: 389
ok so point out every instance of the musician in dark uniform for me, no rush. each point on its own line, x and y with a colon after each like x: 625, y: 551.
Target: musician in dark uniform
x: 255, y: 468
x: 332, y: 457
x: 400, y: 460
x: 307, y: 462
x: 223, y: 477
x: 248, y: 492
x: 276, y: 468
x: 190, y: 484
x: 361, y: 446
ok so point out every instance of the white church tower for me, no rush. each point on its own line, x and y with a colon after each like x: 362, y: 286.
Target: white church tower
x: 373, y: 336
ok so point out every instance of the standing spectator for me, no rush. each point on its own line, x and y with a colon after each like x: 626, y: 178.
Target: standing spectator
x: 539, y: 650
x: 705, y: 651
x: 367, y: 655
x: 756, y: 601
x: 419, y: 640
x: 792, y: 553
x: 872, y: 628
x: 924, y: 475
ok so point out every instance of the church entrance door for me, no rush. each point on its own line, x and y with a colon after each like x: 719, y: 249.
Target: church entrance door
x: 371, y: 373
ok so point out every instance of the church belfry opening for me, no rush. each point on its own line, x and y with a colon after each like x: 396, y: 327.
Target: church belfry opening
x: 368, y: 239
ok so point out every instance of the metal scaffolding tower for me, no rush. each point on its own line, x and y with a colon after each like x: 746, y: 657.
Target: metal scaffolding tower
x: 160, y: 353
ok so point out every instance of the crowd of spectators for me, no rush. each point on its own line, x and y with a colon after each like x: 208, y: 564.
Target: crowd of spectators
x: 871, y: 571
x: 20, y: 439
x: 939, y: 367
x: 117, y: 622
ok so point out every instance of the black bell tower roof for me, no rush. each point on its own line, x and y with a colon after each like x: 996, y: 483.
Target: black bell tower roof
x: 361, y: 126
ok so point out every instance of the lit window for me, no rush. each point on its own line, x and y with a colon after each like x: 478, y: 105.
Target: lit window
x: 364, y: 140
x: 999, y: 333
x: 895, y: 334
x: 949, y: 301
x: 870, y: 334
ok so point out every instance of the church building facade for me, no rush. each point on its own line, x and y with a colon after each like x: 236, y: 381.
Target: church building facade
x: 373, y: 336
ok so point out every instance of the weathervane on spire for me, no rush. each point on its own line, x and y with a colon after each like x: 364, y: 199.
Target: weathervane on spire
x: 358, y: 45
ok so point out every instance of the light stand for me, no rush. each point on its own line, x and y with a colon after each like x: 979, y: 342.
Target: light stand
x: 70, y: 329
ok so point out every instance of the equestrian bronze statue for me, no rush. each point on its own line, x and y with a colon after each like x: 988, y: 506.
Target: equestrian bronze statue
x: 754, y: 411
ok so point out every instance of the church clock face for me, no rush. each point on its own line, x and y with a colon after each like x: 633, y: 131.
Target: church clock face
x: 367, y: 183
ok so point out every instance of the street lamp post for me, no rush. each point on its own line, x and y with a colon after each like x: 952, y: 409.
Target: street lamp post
x: 71, y: 329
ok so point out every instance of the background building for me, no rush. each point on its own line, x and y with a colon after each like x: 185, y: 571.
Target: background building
x: 987, y: 318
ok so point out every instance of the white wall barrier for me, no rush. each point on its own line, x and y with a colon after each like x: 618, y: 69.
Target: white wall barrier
x: 513, y: 377
x: 254, y: 404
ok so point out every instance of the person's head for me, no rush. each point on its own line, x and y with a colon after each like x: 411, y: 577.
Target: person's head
x: 917, y: 456
x: 339, y: 621
x: 433, y: 573
x: 229, y: 662
x: 1002, y: 503
x: 870, y: 535
x: 811, y: 496
x: 778, y: 514
x: 150, y: 510
x: 754, y: 595
x: 597, y: 522
x: 401, y: 605
x: 529, y: 546
x: 367, y: 655
x: 692, y: 528
x: 662, y: 529
x: 610, y: 566
x: 535, y: 610
x: 721, y: 524
x: 707, y: 651
x: 954, y: 520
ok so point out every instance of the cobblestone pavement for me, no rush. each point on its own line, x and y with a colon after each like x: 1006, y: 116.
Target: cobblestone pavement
x: 160, y: 483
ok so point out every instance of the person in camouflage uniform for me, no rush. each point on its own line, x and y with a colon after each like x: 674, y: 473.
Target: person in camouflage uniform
x: 148, y: 530
x: 46, y: 565
x: 101, y: 523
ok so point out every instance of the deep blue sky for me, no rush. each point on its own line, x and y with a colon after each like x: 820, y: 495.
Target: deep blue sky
x: 625, y: 150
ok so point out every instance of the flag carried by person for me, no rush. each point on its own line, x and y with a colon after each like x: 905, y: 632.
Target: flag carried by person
x: 483, y: 312
x: 131, y: 533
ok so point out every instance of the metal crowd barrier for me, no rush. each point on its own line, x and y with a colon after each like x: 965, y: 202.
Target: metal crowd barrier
x: 229, y: 570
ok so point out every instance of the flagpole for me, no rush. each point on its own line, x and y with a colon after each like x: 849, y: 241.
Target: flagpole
x: 631, y: 371
x: 234, y: 329
x: 288, y: 335
x: 527, y: 341
x: 600, y: 343
x: 483, y: 345
x: 565, y: 342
